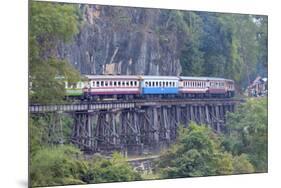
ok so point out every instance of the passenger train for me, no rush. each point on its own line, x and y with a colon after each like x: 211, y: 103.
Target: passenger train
x: 102, y: 87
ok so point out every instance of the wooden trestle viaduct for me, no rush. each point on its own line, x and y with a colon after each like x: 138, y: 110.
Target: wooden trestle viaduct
x: 133, y: 126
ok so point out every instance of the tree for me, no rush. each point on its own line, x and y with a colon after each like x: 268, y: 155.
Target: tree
x: 63, y: 165
x: 196, y: 153
x: 50, y: 24
x: 247, y: 132
x: 224, y: 45
x: 110, y: 170
x: 57, y: 166
x: 191, y: 57
x: 241, y: 164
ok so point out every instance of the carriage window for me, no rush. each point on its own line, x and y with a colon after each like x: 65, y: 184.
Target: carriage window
x: 146, y: 84
x: 105, y: 83
x: 127, y: 83
x: 110, y: 83
x: 92, y: 84
x: 173, y: 84
x: 156, y: 84
x: 167, y: 84
x: 114, y: 83
x: 98, y: 84
x: 80, y: 85
x: 153, y: 84
x: 119, y: 83
x: 135, y: 83
x: 149, y: 84
x: 160, y: 84
x: 132, y: 83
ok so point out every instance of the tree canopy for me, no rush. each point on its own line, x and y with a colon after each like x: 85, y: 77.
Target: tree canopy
x: 199, y: 152
x: 247, y: 132
x: 50, y: 24
x: 224, y: 45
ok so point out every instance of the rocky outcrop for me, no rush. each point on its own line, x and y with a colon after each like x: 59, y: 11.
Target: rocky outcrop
x: 139, y: 41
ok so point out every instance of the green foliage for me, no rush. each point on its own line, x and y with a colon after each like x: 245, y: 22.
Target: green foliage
x: 35, y: 137
x: 200, y: 152
x: 110, y: 170
x: 192, y: 59
x: 247, y: 132
x: 42, y: 135
x: 223, y: 45
x: 64, y: 165
x: 197, y: 153
x: 241, y: 164
x: 56, y: 166
x: 51, y: 23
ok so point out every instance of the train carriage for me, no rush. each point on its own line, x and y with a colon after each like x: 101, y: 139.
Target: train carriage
x: 206, y: 87
x: 221, y: 87
x: 159, y: 86
x: 74, y: 90
x: 112, y: 86
x: 193, y: 86
x: 102, y: 87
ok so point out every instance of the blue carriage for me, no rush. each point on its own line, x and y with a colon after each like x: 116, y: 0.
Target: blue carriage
x: 159, y: 85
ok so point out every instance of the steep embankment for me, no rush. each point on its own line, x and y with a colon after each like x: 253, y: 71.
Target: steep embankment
x: 138, y: 41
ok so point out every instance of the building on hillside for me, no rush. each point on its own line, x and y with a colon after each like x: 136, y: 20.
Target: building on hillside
x: 258, y: 88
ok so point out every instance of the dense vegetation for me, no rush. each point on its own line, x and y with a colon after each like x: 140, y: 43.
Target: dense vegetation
x: 51, y: 23
x: 223, y: 45
x: 65, y: 165
x: 201, y: 152
x: 247, y: 132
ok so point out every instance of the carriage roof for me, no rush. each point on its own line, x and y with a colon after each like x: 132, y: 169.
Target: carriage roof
x: 203, y: 78
x: 159, y: 77
x: 112, y: 77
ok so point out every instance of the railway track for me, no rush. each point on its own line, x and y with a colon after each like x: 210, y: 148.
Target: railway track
x: 126, y: 104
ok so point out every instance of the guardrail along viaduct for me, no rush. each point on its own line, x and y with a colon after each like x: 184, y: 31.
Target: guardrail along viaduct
x: 133, y: 126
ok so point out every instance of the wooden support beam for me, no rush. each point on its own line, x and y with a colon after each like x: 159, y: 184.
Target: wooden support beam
x: 155, y: 126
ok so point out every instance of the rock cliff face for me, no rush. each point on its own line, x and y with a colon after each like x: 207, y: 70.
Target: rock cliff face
x: 139, y: 41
